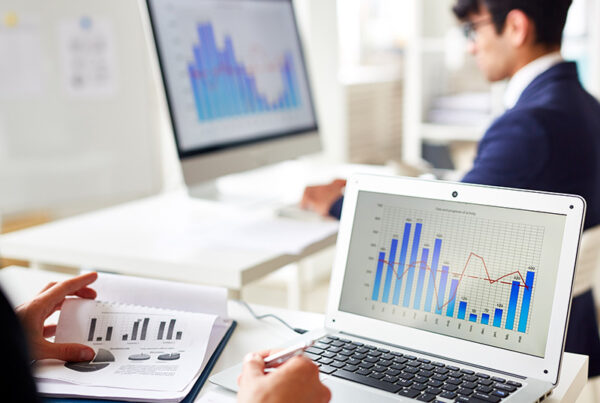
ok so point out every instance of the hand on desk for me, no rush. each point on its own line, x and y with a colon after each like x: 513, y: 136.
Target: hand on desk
x: 320, y: 198
x: 33, y: 314
x: 296, y: 380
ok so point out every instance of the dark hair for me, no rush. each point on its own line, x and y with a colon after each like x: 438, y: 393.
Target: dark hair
x: 549, y: 16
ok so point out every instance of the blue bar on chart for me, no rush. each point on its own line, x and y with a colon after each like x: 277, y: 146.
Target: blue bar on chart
x: 512, y: 305
x: 498, y: 317
x: 421, y: 280
x: 472, y: 317
x: 452, y: 298
x: 378, y: 275
x: 411, y: 265
x: 439, y: 304
x: 223, y: 87
x: 485, y: 319
x: 462, y: 309
x: 390, y: 271
x: 401, y: 264
x: 524, y: 315
x: 434, y: 265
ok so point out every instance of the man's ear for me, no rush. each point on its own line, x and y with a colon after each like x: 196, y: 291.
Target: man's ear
x: 518, y: 28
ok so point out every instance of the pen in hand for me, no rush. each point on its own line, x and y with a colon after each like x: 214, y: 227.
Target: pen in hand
x: 278, y: 358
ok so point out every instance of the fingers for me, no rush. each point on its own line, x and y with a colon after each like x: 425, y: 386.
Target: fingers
x: 65, y: 351
x: 86, y: 292
x: 48, y: 286
x: 253, y: 367
x: 49, y: 331
x: 58, y: 292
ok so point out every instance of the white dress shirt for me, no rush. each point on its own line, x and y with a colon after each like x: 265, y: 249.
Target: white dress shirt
x: 526, y: 75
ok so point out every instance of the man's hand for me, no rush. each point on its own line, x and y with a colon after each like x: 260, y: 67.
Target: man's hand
x: 33, y: 314
x: 320, y: 198
x: 296, y: 380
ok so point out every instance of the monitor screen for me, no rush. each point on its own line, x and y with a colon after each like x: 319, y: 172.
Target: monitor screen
x: 481, y: 273
x: 233, y: 71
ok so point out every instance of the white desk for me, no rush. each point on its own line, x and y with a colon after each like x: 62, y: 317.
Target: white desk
x: 252, y: 335
x: 161, y: 236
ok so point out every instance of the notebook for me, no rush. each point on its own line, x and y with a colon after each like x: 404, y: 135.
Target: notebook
x: 446, y: 292
x: 154, y: 341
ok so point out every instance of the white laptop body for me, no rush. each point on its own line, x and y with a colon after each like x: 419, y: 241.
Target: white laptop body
x: 449, y: 274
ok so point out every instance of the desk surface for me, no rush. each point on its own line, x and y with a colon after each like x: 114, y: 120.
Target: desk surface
x: 253, y: 335
x: 165, y: 236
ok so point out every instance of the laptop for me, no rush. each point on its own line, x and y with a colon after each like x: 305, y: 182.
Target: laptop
x: 446, y: 292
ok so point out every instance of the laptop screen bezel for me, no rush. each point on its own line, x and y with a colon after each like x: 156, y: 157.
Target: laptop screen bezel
x: 545, y: 368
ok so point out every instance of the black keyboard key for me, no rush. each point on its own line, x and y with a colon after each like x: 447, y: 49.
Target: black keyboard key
x: 358, y: 344
x: 351, y: 361
x: 438, y: 364
x: 420, y: 379
x: 346, y: 352
x: 427, y: 367
x: 486, y: 382
x: 425, y: 397
x: 505, y: 387
x: 465, y: 392
x: 385, y: 363
x: 465, y: 399
x: 325, y: 361
x: 325, y: 340
x: 451, y: 368
x: 390, y: 379
x: 350, y: 347
x: 314, y: 350
x: 326, y: 369
x: 350, y: 368
x: 328, y: 354
x: 513, y: 383
x: 410, y: 393
x: 449, y: 387
x: 387, y: 356
x: 376, y: 375
x: 396, y: 354
x: 498, y: 379
x: 359, y: 356
x: 333, y: 337
x: 401, y: 360
x: 379, y: 368
x: 371, y: 359
x: 484, y: 389
x: 454, y: 381
x: 321, y: 346
x: 364, y: 371
x: 434, y: 383
x: 486, y: 398
x: 338, y: 364
x: 470, y: 378
x: 399, y: 367
x: 433, y: 391
x: 414, y: 363
x: 341, y: 358
x: 426, y: 374
x: 424, y: 360
x: 410, y: 370
x: 439, y: 377
x: 410, y: 357
x: 419, y: 386
x: 383, y: 350
x: 334, y: 349
x: 448, y: 395
x: 312, y: 356
x: 500, y: 393
x: 482, y: 375
x: 337, y: 343
x: 367, y: 380
x: 374, y: 353
x: 362, y: 350
x: 345, y: 341
x: 366, y: 365
x: 467, y: 371
x: 469, y: 385
x: 406, y: 376
x: 441, y: 371
x: 455, y: 374
x: 392, y: 372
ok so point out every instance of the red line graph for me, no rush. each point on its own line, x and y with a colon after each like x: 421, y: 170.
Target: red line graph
x: 461, y: 275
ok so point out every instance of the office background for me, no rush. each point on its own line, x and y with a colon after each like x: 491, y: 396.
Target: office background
x: 82, y: 126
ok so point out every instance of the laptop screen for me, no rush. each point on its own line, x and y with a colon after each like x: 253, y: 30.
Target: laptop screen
x: 480, y: 273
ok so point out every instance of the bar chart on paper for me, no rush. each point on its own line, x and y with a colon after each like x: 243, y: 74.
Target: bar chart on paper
x: 457, y: 267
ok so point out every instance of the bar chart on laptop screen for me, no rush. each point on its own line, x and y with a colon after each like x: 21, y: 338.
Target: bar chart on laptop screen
x: 452, y: 268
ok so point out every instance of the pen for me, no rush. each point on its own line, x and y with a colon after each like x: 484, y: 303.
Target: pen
x: 282, y: 356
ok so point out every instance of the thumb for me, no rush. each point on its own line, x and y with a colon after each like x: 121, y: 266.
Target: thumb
x: 253, y: 367
x: 67, y: 352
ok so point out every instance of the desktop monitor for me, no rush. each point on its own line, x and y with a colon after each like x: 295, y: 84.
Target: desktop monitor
x: 236, y: 84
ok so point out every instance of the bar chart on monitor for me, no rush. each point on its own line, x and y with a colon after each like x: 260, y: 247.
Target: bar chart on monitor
x: 456, y: 266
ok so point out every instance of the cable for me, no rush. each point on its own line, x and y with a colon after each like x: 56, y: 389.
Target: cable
x: 269, y: 315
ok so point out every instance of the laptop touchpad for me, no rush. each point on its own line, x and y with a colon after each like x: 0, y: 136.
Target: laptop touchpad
x: 344, y: 392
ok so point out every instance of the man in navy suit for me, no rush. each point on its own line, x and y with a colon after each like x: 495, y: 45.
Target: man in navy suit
x: 549, y: 137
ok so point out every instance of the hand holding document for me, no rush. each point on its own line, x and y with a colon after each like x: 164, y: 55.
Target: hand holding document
x: 142, y: 352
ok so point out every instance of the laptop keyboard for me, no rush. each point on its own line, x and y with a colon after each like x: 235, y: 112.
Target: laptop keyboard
x: 406, y: 375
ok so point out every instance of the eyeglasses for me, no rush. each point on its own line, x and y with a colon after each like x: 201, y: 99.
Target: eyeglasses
x: 470, y: 28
